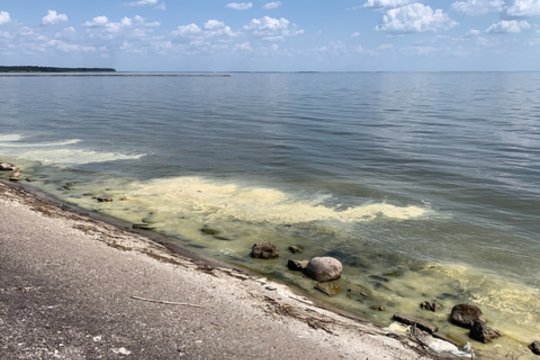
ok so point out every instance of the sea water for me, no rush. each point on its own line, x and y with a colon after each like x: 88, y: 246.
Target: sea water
x: 425, y: 185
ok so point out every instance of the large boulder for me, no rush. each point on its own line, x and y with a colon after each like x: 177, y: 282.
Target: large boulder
x: 264, y: 251
x: 465, y: 315
x: 324, y: 269
x: 481, y: 332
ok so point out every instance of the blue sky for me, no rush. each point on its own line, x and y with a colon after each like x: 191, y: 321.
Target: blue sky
x: 285, y: 35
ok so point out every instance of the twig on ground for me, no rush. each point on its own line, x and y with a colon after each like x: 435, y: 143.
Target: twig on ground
x: 166, y: 302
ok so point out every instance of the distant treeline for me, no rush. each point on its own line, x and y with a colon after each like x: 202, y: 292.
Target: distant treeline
x: 46, y: 69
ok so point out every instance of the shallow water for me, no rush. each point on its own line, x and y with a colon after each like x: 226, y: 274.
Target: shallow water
x: 425, y: 185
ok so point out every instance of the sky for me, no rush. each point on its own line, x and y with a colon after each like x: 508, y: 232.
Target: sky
x: 262, y: 35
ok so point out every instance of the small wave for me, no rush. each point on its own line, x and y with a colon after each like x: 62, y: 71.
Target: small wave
x: 66, y: 157
x: 255, y: 204
x: 41, y: 144
x: 10, y: 137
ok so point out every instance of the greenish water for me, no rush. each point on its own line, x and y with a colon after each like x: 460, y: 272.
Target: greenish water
x: 424, y: 185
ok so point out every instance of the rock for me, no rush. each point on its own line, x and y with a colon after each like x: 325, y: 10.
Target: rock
x: 264, y: 251
x: 121, y: 351
x: 324, y: 269
x: 431, y: 306
x: 104, y: 198
x: 465, y: 315
x: 296, y: 249
x: 148, y: 220
x: 69, y: 185
x: 480, y: 332
x: 297, y: 265
x: 7, y: 167
x: 535, y: 347
x: 209, y: 231
x: 143, y: 226
x: 328, y: 288
x: 414, y: 321
x: 15, y: 176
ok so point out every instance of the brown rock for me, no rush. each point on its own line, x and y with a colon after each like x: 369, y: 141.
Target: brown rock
x: 535, y: 347
x: 104, y: 198
x: 209, y: 231
x: 296, y: 249
x: 465, y: 315
x: 480, y: 332
x: 324, y: 269
x: 431, y: 306
x: 264, y: 251
x: 414, y: 321
x: 297, y: 265
x: 328, y: 288
x: 7, y: 167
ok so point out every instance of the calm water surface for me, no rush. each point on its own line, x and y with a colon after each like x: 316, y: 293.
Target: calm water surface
x: 425, y: 185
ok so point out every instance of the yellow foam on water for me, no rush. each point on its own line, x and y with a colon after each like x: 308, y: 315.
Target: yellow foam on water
x: 254, y: 204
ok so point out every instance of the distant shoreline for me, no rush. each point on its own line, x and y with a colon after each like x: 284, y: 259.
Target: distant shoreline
x: 47, y: 69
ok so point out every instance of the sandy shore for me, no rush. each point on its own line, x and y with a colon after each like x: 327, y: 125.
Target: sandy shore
x: 72, y: 287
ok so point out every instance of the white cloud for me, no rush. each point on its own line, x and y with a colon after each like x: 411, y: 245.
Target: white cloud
x: 53, y: 17
x: 245, y: 46
x: 508, y: 27
x: 149, y: 3
x: 187, y: 30
x: 5, y: 18
x: 210, y: 29
x: 239, y: 6
x: 380, y: 4
x: 272, y: 5
x: 414, y: 18
x: 215, y: 28
x: 355, y: 34
x: 422, y: 50
x: 272, y: 29
x: 524, y: 8
x: 473, y: 33
x: 136, y: 27
x: 478, y: 7
x: 69, y: 47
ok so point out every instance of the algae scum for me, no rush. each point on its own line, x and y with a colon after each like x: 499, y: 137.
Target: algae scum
x: 223, y: 219
x: 424, y: 185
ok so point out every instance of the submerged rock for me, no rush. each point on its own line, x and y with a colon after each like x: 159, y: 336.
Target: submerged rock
x: 264, y: 251
x: 324, y: 269
x: 296, y: 249
x: 143, y: 226
x: 297, y: 265
x: 465, y: 315
x: 535, y: 347
x: 431, y: 306
x: 209, y: 231
x: 7, y: 167
x: 481, y: 332
x: 15, y: 176
x: 69, y: 185
x: 417, y: 322
x: 104, y: 198
x: 329, y: 288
